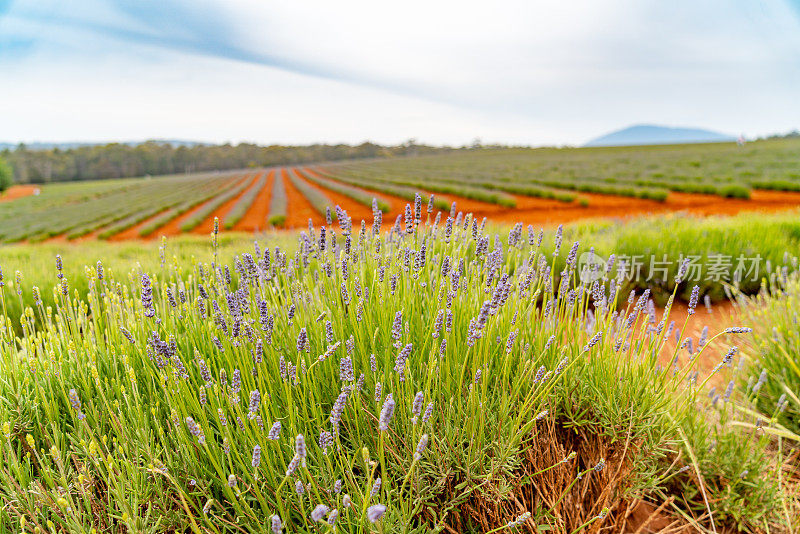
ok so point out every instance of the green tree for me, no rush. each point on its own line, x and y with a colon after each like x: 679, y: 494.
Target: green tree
x: 6, y: 176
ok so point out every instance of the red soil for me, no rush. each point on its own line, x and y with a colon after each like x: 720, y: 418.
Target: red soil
x: 207, y: 226
x: 256, y: 217
x: 624, y: 207
x: 133, y: 231
x: 173, y: 227
x: 298, y: 207
x: 397, y: 205
x: 18, y: 191
x: 355, y: 210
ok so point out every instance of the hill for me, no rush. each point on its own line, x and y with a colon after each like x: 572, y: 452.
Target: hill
x: 650, y: 134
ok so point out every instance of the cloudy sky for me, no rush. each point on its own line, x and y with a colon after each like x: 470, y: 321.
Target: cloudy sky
x: 512, y: 71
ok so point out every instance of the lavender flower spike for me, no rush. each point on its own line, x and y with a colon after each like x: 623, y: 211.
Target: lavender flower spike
x: 76, y: 403
x: 277, y: 524
x: 375, y: 512
x: 386, y: 413
x: 319, y: 512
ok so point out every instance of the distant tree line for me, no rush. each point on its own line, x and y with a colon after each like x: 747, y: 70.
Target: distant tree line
x: 119, y: 160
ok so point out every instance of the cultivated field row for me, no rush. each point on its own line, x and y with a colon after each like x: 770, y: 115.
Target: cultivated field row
x: 535, y: 186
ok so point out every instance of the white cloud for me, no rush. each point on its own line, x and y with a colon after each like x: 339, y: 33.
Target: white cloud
x: 445, y: 72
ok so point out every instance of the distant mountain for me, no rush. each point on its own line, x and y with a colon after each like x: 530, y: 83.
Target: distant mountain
x: 650, y: 134
x: 43, y: 145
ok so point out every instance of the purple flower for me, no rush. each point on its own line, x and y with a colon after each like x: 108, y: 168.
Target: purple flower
x: 255, y: 398
x: 195, y: 429
x: 376, y: 487
x: 386, y: 413
x: 277, y: 525
x: 319, y: 512
x: 76, y: 403
x: 423, y: 442
x: 275, y: 431
x: 375, y: 512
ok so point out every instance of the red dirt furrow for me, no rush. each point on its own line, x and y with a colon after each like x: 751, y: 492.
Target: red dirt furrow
x: 18, y: 191
x: 173, y: 227
x: 207, y: 226
x: 133, y: 231
x: 397, y: 204
x: 256, y: 217
x: 466, y: 205
x: 298, y: 207
x: 355, y: 210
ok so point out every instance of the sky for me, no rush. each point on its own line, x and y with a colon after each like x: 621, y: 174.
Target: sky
x: 523, y: 72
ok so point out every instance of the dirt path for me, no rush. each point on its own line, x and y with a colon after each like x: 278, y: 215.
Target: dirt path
x: 298, y: 207
x: 255, y: 218
x: 18, y: 191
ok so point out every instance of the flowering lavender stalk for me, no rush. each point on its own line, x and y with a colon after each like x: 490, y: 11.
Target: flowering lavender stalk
x: 375, y: 512
x: 386, y: 413
x: 376, y: 487
x: 400, y: 361
x: 346, y: 369
x: 428, y: 412
x: 300, y: 448
x: 600, y: 465
x: 338, y: 409
x: 693, y: 300
x: 302, y: 340
x: 277, y: 524
x: 592, y: 342
x: 332, y: 516
x: 559, y: 237
x: 423, y: 442
x: 319, y: 512
x: 738, y: 330
x: 195, y: 430
x: 255, y: 398
x: 416, y: 407
x: 275, y: 431
x: 256, y: 456
x: 519, y: 521
x: 76, y: 403
x: 147, y: 296
x: 292, y: 467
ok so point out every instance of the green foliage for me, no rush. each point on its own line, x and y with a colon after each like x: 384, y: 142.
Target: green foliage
x: 209, y: 208
x: 6, y: 176
x: 354, y: 193
x: 501, y: 353
x: 115, y: 160
x: 773, y: 378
